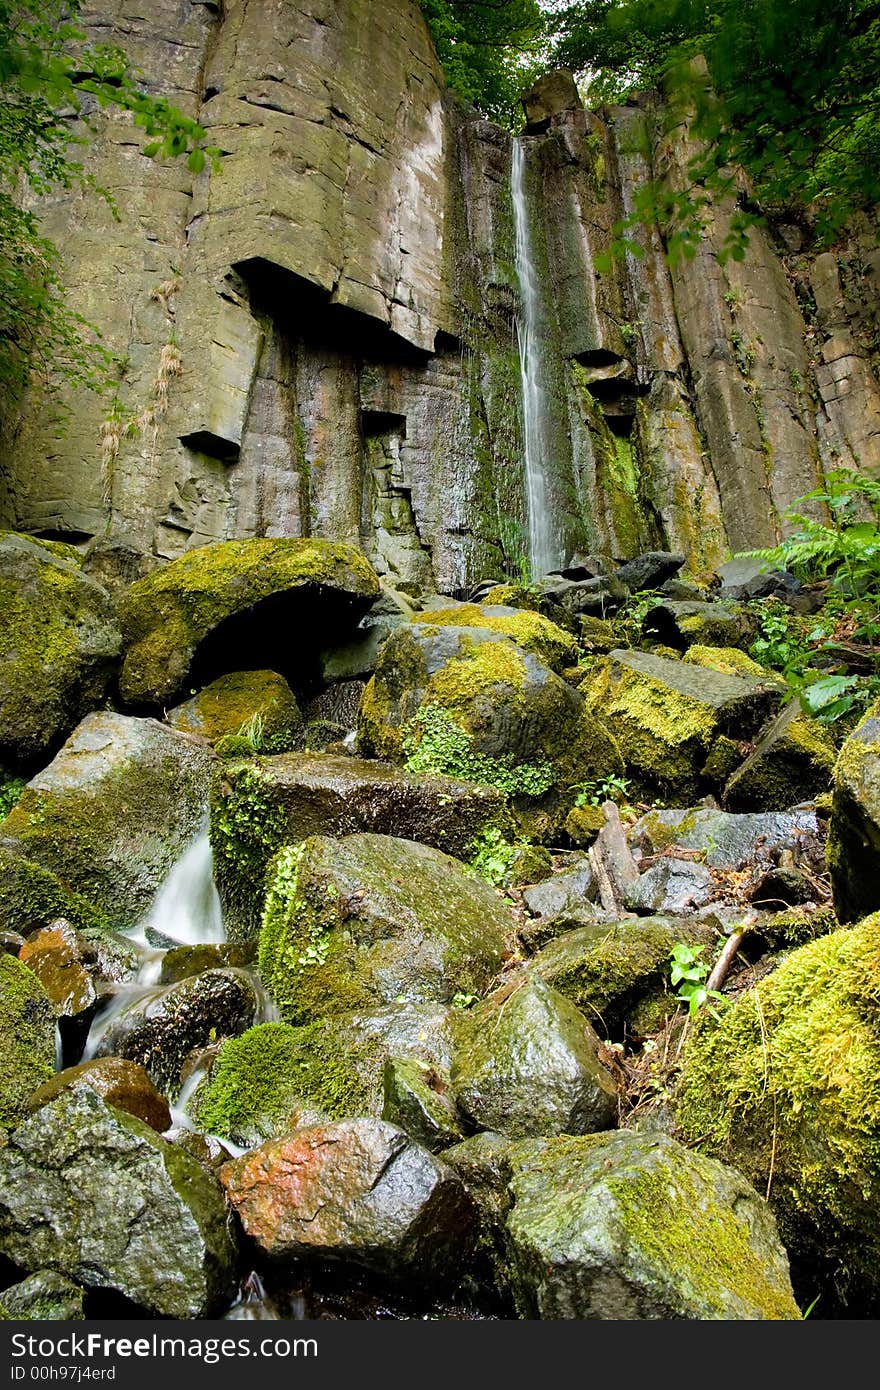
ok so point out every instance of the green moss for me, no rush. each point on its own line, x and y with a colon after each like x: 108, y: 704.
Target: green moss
x: 29, y: 893
x: 257, y: 707
x: 27, y: 1038
x: 261, y: 1077
x: 247, y: 828
x: 478, y: 667
x: 787, y: 1088
x: 434, y: 743
x: 531, y: 631
x: 730, y: 662
x: 512, y: 596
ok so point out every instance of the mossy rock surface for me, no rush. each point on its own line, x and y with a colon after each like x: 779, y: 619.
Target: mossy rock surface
x: 314, y: 585
x: 607, y: 968
x: 275, y: 1076
x: 527, y: 1063
x: 27, y: 1038
x: 369, y: 920
x: 44, y: 1297
x: 60, y: 642
x: 114, y: 810
x: 31, y: 895
x: 787, y: 1088
x: 261, y: 804
x: 98, y: 1196
x: 854, y: 829
x: 531, y: 631
x: 683, y: 624
x: 417, y: 1099
x: 724, y: 839
x: 260, y: 703
x: 468, y: 702
x: 730, y: 661
x: 629, y: 1226
x: 792, y: 762
x: 666, y: 717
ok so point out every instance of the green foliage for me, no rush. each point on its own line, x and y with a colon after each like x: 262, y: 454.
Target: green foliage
x: 846, y: 546
x: 434, y: 743
x: 490, y: 50
x: 596, y: 790
x: 690, y: 974
x: 48, y: 76
x: 11, y: 789
x: 493, y: 855
x: 794, y: 101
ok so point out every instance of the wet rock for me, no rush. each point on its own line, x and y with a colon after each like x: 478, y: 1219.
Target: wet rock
x: 607, y: 968
x: 529, y: 1064
x: 417, y: 1100
x: 10, y: 942
x: 667, y: 716
x: 533, y: 935
x: 275, y: 1078
x: 802, y: 1102
x: 650, y: 570
x: 258, y: 806
x: 635, y: 1226
x: 121, y: 1083
x: 180, y: 962
x: 854, y: 829
x: 581, y: 598
x: 27, y: 1038
x: 468, y: 702
x: 234, y: 596
x: 793, y: 762
x: 96, y: 1195
x: 566, y: 891
x: 31, y: 897
x: 358, y: 1192
x: 683, y: 625
x: 65, y: 965
x: 60, y: 642
x: 371, y: 919
x: 44, y: 1296
x: 553, y: 94
x: 258, y: 706
x: 160, y: 1030
x: 114, y: 810
x: 672, y: 885
x: 725, y: 840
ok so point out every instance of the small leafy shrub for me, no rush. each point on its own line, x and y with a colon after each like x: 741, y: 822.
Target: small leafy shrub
x: 846, y: 547
x: 11, y: 789
x: 690, y: 973
x: 599, y: 789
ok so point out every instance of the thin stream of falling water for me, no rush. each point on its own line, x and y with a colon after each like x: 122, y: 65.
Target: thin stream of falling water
x: 545, y: 551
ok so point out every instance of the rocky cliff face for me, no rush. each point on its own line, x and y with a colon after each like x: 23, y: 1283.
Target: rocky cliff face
x: 320, y: 336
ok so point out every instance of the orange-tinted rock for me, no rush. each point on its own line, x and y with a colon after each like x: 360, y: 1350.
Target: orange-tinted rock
x: 58, y: 957
x: 123, y: 1084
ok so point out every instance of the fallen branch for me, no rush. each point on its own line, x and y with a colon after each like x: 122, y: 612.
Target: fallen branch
x: 731, y: 947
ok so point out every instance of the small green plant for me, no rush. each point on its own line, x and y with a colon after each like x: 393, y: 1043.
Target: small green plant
x: 846, y: 546
x: 599, y: 789
x: 690, y: 973
x: 492, y: 856
x: 434, y: 743
x: 464, y: 1001
x: 11, y: 789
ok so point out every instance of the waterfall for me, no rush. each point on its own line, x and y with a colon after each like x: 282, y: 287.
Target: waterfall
x: 545, y: 548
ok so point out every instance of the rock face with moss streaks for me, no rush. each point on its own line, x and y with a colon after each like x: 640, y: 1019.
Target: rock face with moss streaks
x: 97, y: 1195
x: 257, y: 706
x: 27, y: 1038
x: 371, y: 919
x: 854, y: 833
x: 59, y: 644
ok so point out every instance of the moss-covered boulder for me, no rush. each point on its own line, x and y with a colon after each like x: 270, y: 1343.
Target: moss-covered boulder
x: 371, y: 919
x: 608, y: 968
x: 854, y: 830
x: 122, y: 1084
x: 275, y: 1077
x: 417, y: 1099
x: 60, y: 643
x: 469, y: 703
x: 230, y: 600
x: 43, y: 1297
x: 787, y: 1088
x: 97, y: 1195
x: 32, y: 896
x: 683, y: 624
x: 527, y: 1063
x: 730, y: 661
x: 27, y: 1038
x: 114, y: 810
x: 629, y: 1226
x: 666, y: 718
x: 257, y: 706
x: 793, y: 761
x: 358, y: 1192
x: 259, y: 805
x: 531, y: 631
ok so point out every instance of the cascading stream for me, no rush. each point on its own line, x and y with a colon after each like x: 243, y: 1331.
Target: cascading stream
x: 545, y: 548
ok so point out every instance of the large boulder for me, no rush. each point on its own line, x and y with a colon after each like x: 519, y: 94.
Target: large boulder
x: 529, y: 1064
x: 123, y: 1084
x: 258, y: 707
x: 667, y: 717
x: 114, y: 810
x: 683, y: 624
x: 854, y: 831
x: 787, y: 1088
x: 59, y: 641
x: 371, y: 919
x: 225, y: 604
x: 27, y: 1038
x: 792, y: 762
x: 32, y: 896
x: 274, y: 1077
x: 468, y: 702
x: 259, y: 805
x: 97, y: 1195
x: 530, y: 631
x: 632, y: 1226
x: 357, y: 1192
